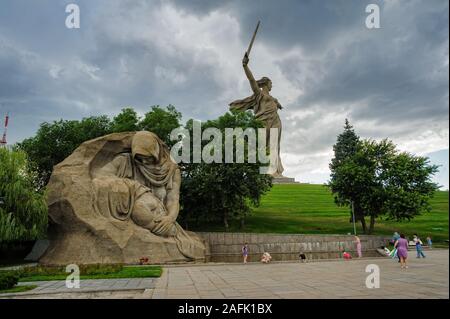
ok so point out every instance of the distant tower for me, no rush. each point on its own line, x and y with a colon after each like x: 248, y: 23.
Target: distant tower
x: 3, y: 140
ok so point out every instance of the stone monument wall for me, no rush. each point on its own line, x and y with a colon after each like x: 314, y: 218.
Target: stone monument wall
x: 226, y: 247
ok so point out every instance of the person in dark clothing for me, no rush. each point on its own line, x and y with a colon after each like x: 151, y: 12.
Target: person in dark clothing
x: 302, y: 256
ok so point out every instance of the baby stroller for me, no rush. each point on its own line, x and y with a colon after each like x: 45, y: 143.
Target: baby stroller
x: 393, y: 253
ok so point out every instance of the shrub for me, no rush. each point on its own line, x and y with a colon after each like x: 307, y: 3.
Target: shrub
x: 8, y: 279
x: 23, y: 210
x: 92, y: 269
x: 96, y: 269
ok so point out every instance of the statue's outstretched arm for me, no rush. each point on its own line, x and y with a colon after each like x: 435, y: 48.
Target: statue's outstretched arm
x: 249, y: 75
x: 279, y: 106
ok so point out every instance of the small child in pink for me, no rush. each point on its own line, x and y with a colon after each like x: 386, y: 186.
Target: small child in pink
x: 346, y: 255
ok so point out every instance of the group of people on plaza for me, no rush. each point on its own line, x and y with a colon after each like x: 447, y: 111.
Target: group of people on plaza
x: 358, y: 247
x: 401, y: 245
x: 267, y: 258
x: 399, y: 251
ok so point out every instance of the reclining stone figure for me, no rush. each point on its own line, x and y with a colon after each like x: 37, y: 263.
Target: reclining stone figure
x: 115, y: 199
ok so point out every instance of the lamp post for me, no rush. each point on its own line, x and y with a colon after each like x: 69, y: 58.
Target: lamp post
x: 353, y: 214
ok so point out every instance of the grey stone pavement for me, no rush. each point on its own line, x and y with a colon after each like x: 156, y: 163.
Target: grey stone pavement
x: 88, y: 287
x: 425, y: 278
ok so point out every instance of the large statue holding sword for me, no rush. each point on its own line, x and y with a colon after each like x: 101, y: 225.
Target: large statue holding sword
x: 264, y: 106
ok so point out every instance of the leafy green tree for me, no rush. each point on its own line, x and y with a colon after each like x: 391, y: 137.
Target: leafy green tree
x: 210, y: 192
x: 23, y: 210
x: 385, y: 182
x: 126, y: 121
x: 355, y: 180
x: 55, y: 141
x: 346, y: 145
x: 345, y: 194
x: 405, y: 180
x: 161, y: 122
x: 222, y: 192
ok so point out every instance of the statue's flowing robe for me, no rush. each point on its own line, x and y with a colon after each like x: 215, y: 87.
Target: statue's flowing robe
x: 117, y: 195
x: 270, y: 118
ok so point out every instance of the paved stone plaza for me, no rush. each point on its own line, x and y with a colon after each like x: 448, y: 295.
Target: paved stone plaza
x: 425, y: 278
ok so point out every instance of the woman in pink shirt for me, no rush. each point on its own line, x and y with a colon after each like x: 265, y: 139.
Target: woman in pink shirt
x: 402, y: 250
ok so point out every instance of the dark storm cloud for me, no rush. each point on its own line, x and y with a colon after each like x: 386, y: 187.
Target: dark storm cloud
x: 147, y: 72
x: 326, y: 65
x: 399, y: 78
x: 14, y: 83
x: 397, y: 74
x: 395, y: 79
x: 91, y: 71
x: 310, y: 24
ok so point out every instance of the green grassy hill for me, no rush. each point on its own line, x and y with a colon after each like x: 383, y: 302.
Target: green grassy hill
x: 310, y: 209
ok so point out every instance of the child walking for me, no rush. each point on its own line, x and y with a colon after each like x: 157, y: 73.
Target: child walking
x: 245, y: 252
x: 419, y: 244
x: 430, y: 243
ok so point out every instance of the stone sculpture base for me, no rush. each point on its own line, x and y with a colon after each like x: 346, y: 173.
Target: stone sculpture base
x: 88, y: 247
x: 284, y: 180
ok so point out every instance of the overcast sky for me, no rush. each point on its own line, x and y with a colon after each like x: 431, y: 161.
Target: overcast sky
x: 325, y: 66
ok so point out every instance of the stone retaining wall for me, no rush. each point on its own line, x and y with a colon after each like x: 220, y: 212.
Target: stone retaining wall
x: 227, y: 246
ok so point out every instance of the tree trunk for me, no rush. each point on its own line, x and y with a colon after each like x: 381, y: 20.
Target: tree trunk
x: 372, y: 224
x: 359, y: 216
x: 225, y: 222
x: 363, y: 224
x: 242, y: 225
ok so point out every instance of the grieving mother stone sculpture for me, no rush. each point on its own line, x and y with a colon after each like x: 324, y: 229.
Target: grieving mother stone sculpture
x: 116, y: 200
